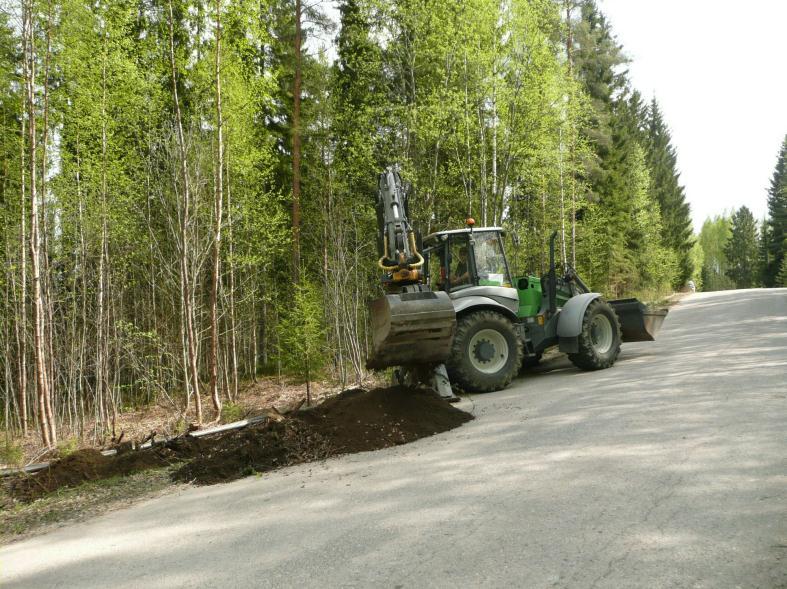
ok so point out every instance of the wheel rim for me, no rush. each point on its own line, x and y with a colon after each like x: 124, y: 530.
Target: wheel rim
x: 601, y: 334
x: 488, y: 351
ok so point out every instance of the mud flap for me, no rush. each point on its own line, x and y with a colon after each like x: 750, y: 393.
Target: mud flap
x: 411, y: 328
x: 637, y: 322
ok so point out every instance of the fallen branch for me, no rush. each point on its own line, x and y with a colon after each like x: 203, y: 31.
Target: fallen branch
x: 228, y: 426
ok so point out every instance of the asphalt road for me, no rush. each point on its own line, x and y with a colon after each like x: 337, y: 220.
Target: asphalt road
x: 668, y: 470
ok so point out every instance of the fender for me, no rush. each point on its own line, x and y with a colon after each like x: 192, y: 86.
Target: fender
x: 569, y: 321
x: 472, y: 303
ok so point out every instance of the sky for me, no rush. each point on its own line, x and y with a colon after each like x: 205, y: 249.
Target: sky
x: 719, y: 72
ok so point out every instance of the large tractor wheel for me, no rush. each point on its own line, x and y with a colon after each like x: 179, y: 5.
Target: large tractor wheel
x: 486, y: 352
x: 599, y: 341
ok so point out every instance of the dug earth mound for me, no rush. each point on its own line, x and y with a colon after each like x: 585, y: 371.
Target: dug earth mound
x: 353, y: 421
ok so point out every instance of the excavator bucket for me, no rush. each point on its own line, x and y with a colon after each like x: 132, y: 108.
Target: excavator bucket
x: 637, y: 322
x: 411, y: 328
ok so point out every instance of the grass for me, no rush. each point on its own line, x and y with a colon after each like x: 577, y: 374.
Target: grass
x: 22, y: 520
x: 11, y: 453
x: 66, y: 447
x: 232, y: 412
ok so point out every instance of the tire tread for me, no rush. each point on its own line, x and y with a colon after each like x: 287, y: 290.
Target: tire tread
x: 463, y: 375
x: 587, y: 358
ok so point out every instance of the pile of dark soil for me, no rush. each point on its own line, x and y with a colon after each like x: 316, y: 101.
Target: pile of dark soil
x: 353, y: 421
x: 86, y: 465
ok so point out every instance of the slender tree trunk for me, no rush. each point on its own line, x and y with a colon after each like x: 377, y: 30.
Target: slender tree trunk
x: 259, y: 331
x: 296, y: 149
x: 562, y: 200
x: 83, y: 263
x: 233, y: 327
x: 494, y: 136
x: 46, y: 287
x: 39, y: 308
x: 217, y: 213
x: 21, y: 322
x: 45, y: 281
x: 185, y: 227
x: 569, y: 59
x: 102, y: 380
x: 482, y: 163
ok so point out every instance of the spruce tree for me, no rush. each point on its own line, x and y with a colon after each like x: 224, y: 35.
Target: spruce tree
x: 764, y: 246
x: 611, y: 172
x: 597, y: 59
x: 781, y: 277
x: 777, y: 210
x: 667, y: 191
x: 359, y: 97
x: 741, y: 250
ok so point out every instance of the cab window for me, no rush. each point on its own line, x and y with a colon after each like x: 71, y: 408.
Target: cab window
x: 460, y: 264
x: 489, y: 259
x: 435, y: 267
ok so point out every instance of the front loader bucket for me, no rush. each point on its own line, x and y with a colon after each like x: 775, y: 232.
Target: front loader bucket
x: 637, y: 322
x: 411, y: 328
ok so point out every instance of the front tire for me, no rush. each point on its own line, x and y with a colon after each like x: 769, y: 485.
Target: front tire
x: 599, y: 341
x: 486, y: 352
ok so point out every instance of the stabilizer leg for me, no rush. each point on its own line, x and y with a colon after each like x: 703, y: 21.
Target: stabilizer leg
x: 436, y: 378
x: 441, y: 384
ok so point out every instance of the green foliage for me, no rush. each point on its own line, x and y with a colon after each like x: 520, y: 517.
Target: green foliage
x: 67, y: 447
x: 764, y: 250
x: 776, y: 232
x: 11, y: 453
x: 656, y: 264
x: 781, y: 278
x: 181, y: 426
x: 631, y: 155
x: 713, y: 237
x: 507, y: 112
x: 669, y: 194
x: 741, y: 250
x: 598, y: 57
x: 232, y: 412
x: 698, y: 262
x: 301, y: 335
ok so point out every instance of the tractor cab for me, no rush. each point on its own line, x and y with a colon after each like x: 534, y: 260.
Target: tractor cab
x: 465, y: 258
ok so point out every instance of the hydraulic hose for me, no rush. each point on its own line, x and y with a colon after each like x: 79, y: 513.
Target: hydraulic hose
x: 411, y: 240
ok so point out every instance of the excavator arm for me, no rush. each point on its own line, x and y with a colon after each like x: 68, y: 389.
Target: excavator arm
x: 400, y: 260
x: 412, y: 326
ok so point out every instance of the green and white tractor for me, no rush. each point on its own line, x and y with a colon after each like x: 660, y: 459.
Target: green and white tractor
x: 454, y: 314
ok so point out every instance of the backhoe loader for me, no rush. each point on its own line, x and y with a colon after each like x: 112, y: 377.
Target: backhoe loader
x: 454, y: 315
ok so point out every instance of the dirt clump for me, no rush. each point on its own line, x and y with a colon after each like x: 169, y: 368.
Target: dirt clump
x: 353, y: 421
x: 357, y: 420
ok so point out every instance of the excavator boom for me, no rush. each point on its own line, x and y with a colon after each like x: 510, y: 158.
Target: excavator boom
x: 411, y: 325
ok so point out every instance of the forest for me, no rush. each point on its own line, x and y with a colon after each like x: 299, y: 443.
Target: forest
x: 737, y: 251
x: 188, y: 188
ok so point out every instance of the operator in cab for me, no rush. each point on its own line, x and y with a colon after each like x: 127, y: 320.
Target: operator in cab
x: 462, y: 270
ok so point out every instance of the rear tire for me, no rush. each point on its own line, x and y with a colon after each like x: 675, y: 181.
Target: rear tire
x: 486, y: 353
x: 599, y: 341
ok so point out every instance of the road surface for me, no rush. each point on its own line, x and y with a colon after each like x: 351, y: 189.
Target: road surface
x: 668, y: 470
